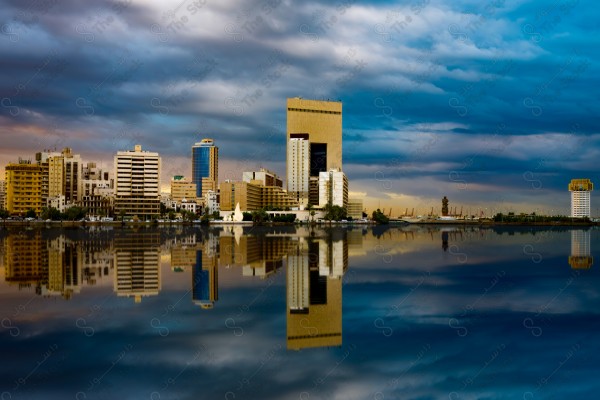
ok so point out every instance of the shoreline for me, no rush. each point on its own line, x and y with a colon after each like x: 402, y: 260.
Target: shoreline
x: 393, y: 223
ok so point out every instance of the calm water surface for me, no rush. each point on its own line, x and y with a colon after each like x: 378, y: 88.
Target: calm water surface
x: 382, y: 313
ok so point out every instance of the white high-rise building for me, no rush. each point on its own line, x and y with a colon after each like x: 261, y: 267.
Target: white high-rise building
x: 580, y: 197
x: 137, y: 183
x: 298, y: 168
x: 333, y: 188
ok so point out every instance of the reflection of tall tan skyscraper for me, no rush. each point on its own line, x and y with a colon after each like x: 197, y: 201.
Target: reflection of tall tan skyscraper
x: 137, y: 269
x: 314, y: 287
x: 580, y: 257
x: 319, y: 122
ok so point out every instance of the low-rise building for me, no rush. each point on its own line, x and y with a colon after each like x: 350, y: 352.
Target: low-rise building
x: 355, y: 208
x: 182, y: 188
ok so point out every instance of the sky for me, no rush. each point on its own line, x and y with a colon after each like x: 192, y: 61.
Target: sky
x: 490, y: 103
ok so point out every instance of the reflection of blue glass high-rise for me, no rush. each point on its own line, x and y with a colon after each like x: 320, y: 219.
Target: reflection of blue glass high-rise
x: 205, y: 158
x: 204, y: 285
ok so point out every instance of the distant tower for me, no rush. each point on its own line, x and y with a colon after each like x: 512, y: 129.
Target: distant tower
x: 205, y: 166
x: 445, y: 206
x: 580, y: 197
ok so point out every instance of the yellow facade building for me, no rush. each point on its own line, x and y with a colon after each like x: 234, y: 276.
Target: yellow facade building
x: 248, y: 195
x: 23, y: 187
x: 182, y: 188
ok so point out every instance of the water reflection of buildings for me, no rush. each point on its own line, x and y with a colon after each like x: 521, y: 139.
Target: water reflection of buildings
x: 580, y: 257
x: 64, y: 267
x: 137, y: 268
x: 57, y: 265
x: 205, y: 276
x: 257, y: 255
x: 25, y: 261
x: 315, y: 267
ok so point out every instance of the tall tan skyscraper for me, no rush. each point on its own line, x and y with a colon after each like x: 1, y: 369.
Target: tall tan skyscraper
x: 322, y: 122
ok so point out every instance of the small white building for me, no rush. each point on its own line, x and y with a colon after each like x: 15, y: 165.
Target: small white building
x: 59, y: 202
x: 188, y: 205
x: 212, y: 202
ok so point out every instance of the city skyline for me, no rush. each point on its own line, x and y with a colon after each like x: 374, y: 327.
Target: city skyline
x: 487, y: 104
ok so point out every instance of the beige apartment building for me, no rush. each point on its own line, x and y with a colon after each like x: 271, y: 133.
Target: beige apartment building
x: 137, y: 183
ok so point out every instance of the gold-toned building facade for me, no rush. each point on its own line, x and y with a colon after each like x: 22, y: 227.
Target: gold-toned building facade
x: 23, y: 187
x: 182, y: 188
x: 322, y: 122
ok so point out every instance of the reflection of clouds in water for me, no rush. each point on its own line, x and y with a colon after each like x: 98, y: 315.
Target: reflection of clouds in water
x: 487, y: 348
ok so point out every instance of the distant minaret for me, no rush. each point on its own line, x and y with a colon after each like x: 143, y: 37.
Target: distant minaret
x: 445, y: 207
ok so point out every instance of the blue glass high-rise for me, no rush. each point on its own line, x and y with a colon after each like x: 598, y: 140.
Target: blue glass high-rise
x: 205, y: 166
